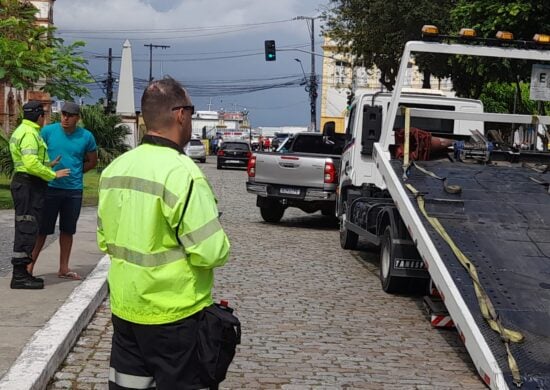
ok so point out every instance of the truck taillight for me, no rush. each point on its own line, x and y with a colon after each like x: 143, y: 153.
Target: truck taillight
x: 251, y: 167
x: 248, y: 154
x: 330, y: 172
x: 220, y: 153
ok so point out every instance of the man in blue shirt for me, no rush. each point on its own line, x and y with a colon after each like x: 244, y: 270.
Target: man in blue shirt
x: 74, y: 148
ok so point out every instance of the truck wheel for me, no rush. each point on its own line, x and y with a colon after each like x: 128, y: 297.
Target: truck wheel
x: 390, y: 283
x: 348, y: 239
x: 203, y: 160
x: 273, y: 212
x: 219, y: 166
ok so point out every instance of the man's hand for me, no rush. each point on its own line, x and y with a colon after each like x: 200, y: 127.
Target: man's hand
x: 55, y: 162
x: 62, y: 173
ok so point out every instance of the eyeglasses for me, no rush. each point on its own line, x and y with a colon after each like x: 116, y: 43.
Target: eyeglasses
x: 188, y: 108
x: 68, y: 115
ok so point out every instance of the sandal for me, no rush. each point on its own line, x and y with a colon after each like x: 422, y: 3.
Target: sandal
x: 70, y: 275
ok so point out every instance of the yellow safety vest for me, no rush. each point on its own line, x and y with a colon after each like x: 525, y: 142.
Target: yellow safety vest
x: 158, y: 221
x: 29, y: 151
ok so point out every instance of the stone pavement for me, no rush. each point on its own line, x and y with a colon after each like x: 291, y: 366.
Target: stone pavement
x: 313, y: 315
x: 38, y: 327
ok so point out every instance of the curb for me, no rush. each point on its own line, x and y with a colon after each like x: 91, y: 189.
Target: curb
x: 51, y: 344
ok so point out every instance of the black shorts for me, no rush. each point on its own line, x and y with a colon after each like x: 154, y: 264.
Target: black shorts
x: 66, y: 204
x: 159, y: 357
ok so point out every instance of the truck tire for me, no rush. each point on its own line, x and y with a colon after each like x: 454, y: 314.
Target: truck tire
x: 348, y: 239
x: 390, y: 283
x: 272, y: 212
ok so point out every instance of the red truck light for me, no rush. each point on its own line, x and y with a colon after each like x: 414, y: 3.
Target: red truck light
x: 220, y: 153
x: 330, y: 172
x: 248, y: 154
x: 251, y: 167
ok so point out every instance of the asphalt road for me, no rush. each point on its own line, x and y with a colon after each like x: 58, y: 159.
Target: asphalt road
x: 313, y: 315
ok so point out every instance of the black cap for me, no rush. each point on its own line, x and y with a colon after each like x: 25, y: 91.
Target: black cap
x: 33, y: 106
x: 71, y: 108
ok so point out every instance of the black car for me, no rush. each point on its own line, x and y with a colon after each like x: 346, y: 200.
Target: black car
x: 234, y: 153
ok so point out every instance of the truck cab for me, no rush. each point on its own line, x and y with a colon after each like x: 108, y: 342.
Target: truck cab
x: 370, y: 109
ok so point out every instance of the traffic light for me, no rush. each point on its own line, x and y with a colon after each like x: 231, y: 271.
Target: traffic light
x: 270, y: 51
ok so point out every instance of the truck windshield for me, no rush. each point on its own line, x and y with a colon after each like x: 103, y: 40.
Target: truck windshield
x: 316, y: 144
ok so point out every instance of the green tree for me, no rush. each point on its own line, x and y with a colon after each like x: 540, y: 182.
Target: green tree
x: 375, y: 32
x: 523, y: 18
x: 109, y: 132
x: 30, y: 52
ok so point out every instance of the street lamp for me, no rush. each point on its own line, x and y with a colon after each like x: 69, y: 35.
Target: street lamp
x: 303, y: 71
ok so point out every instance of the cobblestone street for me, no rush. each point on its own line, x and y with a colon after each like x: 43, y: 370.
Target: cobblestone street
x: 313, y: 315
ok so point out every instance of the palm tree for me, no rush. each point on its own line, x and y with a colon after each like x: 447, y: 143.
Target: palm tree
x: 109, y: 132
x: 6, y: 163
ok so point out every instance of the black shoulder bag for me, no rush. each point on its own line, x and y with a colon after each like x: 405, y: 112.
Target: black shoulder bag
x: 219, y: 334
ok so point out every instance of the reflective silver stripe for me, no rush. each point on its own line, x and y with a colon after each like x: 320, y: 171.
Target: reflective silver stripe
x: 29, y: 151
x: 142, y: 185
x: 201, y: 233
x: 99, y: 223
x: 131, y: 381
x: 19, y: 255
x: 28, y: 218
x: 145, y: 259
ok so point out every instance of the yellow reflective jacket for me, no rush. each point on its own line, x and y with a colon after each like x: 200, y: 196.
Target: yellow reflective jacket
x: 158, y: 221
x: 29, y: 151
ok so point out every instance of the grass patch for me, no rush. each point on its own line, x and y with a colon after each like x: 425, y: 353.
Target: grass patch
x: 89, y: 197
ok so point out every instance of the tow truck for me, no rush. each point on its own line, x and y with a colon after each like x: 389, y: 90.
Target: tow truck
x: 471, y: 223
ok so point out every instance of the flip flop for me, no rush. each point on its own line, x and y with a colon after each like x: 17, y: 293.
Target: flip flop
x: 70, y: 275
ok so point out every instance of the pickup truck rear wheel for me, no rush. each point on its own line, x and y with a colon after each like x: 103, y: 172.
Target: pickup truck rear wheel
x: 348, y: 239
x: 390, y: 283
x: 272, y: 212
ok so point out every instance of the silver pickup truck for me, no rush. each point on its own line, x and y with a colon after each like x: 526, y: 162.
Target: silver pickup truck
x: 302, y: 174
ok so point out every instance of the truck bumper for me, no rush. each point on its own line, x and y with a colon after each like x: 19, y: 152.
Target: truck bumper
x: 305, y: 194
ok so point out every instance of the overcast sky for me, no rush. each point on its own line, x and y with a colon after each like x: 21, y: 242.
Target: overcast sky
x: 199, y: 32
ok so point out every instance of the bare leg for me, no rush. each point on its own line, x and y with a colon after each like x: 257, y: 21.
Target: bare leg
x: 38, y: 245
x: 65, y: 246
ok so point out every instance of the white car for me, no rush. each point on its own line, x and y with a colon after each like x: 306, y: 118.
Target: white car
x: 195, y: 149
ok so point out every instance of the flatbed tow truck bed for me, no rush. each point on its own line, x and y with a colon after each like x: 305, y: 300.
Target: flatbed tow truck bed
x: 501, y: 222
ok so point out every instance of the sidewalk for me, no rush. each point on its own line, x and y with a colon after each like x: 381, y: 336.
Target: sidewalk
x: 38, y: 327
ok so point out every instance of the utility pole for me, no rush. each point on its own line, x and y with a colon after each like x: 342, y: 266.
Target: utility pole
x: 109, y: 82
x: 313, y: 77
x: 151, y: 46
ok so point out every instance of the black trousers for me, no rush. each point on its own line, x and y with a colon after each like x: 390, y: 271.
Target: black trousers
x: 28, y: 194
x: 159, y: 357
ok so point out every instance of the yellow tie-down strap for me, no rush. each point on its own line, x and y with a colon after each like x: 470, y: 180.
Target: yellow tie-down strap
x: 487, y: 309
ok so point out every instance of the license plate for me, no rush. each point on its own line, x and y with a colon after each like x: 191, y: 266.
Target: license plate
x: 290, y: 191
x: 232, y: 162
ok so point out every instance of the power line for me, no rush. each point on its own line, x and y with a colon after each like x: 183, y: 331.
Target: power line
x: 153, y: 30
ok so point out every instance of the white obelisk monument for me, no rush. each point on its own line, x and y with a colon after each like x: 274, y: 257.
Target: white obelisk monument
x: 125, y: 105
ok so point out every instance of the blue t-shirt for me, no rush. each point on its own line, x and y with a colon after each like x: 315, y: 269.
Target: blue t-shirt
x: 72, y: 148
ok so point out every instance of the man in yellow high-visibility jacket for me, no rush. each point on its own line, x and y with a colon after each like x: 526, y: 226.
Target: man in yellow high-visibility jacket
x: 158, y: 221
x: 33, y: 171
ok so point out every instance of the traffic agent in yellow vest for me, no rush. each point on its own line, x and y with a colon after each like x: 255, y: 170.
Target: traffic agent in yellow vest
x: 164, y: 236
x: 29, y: 151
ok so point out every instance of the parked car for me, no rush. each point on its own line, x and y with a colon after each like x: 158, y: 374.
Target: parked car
x: 195, y: 149
x: 234, y: 153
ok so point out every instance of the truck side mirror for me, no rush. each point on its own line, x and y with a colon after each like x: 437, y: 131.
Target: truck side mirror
x: 372, y: 127
x: 329, y: 129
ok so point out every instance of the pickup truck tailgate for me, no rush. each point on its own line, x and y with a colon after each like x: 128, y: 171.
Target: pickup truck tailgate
x: 291, y: 169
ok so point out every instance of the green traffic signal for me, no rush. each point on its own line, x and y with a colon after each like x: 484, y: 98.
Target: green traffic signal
x: 270, y: 50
